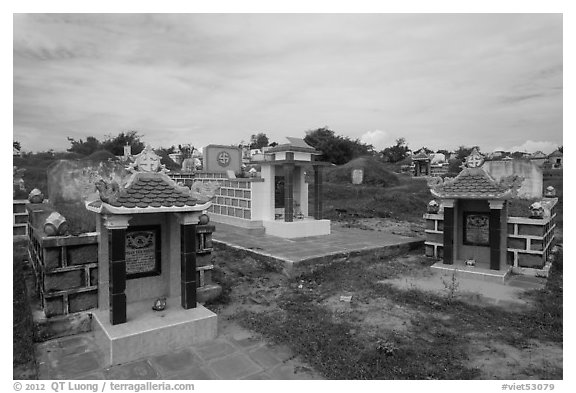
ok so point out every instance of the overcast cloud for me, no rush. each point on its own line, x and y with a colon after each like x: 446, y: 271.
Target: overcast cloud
x: 440, y: 81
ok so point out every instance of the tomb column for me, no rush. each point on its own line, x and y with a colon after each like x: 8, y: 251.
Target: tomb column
x: 497, y: 217
x: 289, y: 188
x: 317, y: 192
x: 188, y: 246
x: 449, y: 227
x: 116, y: 226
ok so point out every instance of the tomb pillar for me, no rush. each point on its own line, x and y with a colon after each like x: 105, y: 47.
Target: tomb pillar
x: 449, y: 227
x: 116, y: 226
x: 317, y: 192
x: 289, y: 188
x: 497, y: 217
x: 188, y: 246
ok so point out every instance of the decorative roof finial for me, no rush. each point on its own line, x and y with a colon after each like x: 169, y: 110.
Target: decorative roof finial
x: 475, y: 159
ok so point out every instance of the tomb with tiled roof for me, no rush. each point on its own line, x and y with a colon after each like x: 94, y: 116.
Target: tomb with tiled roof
x: 149, y: 190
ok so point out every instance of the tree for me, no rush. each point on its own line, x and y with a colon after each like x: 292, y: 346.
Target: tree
x: 116, y: 144
x: 258, y: 141
x: 454, y: 167
x: 561, y: 149
x: 462, y: 152
x: 335, y: 148
x: 84, y: 148
x: 16, y: 145
x: 397, y: 152
x: 186, y: 150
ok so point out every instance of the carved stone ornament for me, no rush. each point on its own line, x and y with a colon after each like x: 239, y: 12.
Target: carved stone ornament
x: 147, y: 161
x: 475, y: 159
x: 550, y: 192
x: 433, y: 207
x: 108, y: 191
x: 35, y: 196
x: 204, y: 192
x: 536, y: 210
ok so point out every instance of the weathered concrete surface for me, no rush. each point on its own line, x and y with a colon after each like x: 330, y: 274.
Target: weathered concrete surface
x: 532, y: 186
x: 236, y: 354
x: 297, y: 255
x: 73, y: 181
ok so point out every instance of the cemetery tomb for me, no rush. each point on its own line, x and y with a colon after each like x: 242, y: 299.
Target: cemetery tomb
x: 422, y: 163
x: 154, y: 239
x: 281, y: 199
x: 475, y: 231
x: 276, y: 201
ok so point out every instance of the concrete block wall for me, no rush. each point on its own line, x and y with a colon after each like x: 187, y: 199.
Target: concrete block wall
x: 19, y: 217
x: 434, y: 235
x: 66, y: 269
x: 530, y: 241
x: 206, y: 289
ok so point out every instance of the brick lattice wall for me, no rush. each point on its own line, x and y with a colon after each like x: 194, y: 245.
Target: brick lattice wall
x: 233, y: 199
x: 20, y: 217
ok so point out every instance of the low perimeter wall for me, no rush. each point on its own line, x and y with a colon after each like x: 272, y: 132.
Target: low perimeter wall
x: 66, y: 267
x: 529, y: 245
x: 19, y: 217
x: 233, y: 203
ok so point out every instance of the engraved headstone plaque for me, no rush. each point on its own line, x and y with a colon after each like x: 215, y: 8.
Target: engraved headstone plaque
x: 476, y: 229
x: 142, y: 252
x: 357, y: 176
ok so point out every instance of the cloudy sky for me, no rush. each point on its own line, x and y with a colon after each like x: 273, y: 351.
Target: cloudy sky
x: 440, y: 81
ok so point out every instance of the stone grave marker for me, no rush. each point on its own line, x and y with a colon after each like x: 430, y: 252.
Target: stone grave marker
x: 357, y: 176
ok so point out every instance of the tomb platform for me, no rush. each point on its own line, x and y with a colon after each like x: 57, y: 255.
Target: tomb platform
x: 149, y: 332
x: 298, y: 228
x: 479, y: 272
x: 303, y: 253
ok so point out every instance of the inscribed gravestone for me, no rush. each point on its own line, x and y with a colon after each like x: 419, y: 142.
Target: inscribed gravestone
x: 142, y: 257
x: 357, y: 176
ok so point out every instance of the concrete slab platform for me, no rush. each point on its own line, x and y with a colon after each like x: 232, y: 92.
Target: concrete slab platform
x: 306, y: 251
x: 475, y: 272
x: 148, y: 332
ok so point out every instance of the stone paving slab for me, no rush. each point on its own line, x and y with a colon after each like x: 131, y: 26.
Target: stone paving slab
x: 237, y: 353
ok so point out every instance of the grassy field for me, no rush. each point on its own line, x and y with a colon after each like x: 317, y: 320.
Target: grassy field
x: 23, y: 361
x: 390, y: 333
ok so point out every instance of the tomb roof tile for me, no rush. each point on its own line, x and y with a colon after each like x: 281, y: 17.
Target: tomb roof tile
x: 472, y: 183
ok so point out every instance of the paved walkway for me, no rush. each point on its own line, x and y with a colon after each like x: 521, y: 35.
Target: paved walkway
x: 341, y: 242
x: 236, y: 354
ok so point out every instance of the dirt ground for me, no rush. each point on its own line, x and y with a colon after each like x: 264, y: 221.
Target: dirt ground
x: 491, y: 350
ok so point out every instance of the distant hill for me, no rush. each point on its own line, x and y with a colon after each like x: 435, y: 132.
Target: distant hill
x: 376, y: 173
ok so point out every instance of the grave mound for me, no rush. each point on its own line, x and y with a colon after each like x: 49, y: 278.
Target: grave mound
x: 100, y: 155
x: 375, y: 173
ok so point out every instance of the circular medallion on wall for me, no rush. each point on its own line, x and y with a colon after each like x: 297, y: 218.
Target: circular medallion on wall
x: 223, y: 159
